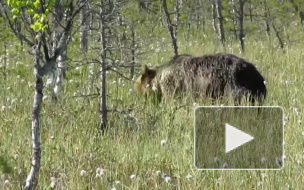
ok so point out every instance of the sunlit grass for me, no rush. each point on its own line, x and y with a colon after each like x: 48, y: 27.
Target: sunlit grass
x: 73, y: 149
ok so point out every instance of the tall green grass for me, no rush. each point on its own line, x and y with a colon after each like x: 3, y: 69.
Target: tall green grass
x: 73, y: 148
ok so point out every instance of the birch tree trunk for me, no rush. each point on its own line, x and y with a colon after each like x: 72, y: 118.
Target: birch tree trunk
x: 61, y: 69
x: 59, y: 73
x: 85, y: 21
x: 221, y: 34
x: 103, y: 67
x: 241, y: 25
x: 170, y: 27
x: 32, y: 178
x: 234, y: 18
x: 214, y: 18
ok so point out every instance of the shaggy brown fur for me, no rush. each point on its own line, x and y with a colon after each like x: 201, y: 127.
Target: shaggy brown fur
x: 210, y: 75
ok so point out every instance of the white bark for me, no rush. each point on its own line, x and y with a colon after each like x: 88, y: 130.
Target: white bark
x: 32, y: 178
x: 234, y: 17
x: 85, y: 21
x: 61, y: 67
x: 221, y: 34
x: 214, y: 17
x: 103, y: 66
x: 241, y: 25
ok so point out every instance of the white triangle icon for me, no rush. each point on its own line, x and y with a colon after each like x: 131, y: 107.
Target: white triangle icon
x: 235, y: 138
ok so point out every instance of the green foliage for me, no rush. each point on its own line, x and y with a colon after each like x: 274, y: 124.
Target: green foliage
x: 34, y: 9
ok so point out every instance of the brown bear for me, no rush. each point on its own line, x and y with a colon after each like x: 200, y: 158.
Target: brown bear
x: 213, y: 76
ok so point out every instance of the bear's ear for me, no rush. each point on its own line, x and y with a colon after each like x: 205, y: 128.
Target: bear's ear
x: 149, y: 72
x: 146, y: 68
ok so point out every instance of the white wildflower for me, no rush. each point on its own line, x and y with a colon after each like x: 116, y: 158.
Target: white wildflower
x: 16, y: 156
x: 53, y: 182
x: 83, y: 173
x: 92, y: 155
x: 189, y: 177
x: 13, y: 100
x: 6, y: 182
x: 30, y: 84
x: 99, y: 172
x: 163, y: 142
x: 133, y: 176
x: 154, y: 88
x: 117, y: 183
x: 295, y: 110
x: 168, y: 179
x: 3, y: 108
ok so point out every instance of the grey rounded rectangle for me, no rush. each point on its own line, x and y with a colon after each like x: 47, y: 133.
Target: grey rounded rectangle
x: 269, y: 139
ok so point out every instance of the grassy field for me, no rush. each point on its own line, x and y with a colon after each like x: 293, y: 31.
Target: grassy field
x: 152, y: 146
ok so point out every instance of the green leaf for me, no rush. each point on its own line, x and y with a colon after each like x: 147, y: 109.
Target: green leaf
x: 30, y: 11
x: 36, y: 16
x: 15, y: 11
x: 37, y: 4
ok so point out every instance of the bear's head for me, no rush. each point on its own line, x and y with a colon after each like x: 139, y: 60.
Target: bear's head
x: 146, y: 84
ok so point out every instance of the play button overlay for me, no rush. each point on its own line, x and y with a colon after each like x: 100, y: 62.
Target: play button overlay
x: 237, y: 138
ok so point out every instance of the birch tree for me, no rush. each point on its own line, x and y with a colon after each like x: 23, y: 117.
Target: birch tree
x: 214, y: 20
x: 221, y: 34
x: 30, y: 22
x: 233, y: 17
x: 241, y: 25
